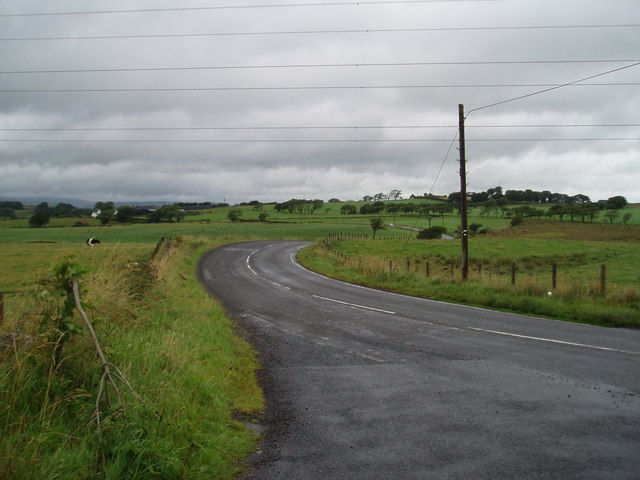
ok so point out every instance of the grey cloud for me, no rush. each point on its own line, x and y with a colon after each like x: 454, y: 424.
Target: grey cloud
x: 353, y: 167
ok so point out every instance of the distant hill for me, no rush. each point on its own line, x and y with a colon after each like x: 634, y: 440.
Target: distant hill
x: 76, y: 202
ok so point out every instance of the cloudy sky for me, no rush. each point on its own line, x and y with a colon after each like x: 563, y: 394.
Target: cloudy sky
x: 205, y: 100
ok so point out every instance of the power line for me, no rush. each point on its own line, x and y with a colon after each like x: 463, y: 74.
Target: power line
x: 319, y: 32
x: 311, y: 127
x: 227, y: 7
x: 321, y: 87
x: 455, y: 137
x: 569, y: 84
x: 246, y: 140
x: 316, y: 65
x: 308, y: 140
x: 557, y: 125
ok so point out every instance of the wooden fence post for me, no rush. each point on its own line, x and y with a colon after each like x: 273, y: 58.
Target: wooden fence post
x: 554, y: 271
x: 603, y: 279
x: 513, y: 273
x: 427, y: 268
x: 1, y: 308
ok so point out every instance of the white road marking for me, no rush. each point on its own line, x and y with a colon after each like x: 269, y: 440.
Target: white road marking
x: 355, y: 305
x: 551, y: 340
x: 495, y: 332
x: 248, y: 260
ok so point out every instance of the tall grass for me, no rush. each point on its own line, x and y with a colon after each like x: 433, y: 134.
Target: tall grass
x: 394, y: 267
x: 179, y: 352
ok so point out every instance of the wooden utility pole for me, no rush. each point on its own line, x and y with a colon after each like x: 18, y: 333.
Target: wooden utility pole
x: 463, y: 198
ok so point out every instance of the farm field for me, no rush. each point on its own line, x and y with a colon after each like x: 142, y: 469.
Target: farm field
x: 578, y: 250
x: 27, y: 252
x: 193, y: 376
x: 137, y: 303
x: 510, y: 269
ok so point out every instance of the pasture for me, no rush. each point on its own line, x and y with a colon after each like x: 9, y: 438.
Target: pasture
x: 202, y: 385
x: 594, y: 268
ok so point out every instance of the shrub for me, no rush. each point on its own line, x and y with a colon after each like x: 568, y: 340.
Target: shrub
x: 474, y: 227
x: 234, y: 215
x: 431, y: 233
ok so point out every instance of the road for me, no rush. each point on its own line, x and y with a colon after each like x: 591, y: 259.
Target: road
x: 363, y: 384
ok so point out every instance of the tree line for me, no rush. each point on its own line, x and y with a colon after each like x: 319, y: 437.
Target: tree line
x: 42, y: 213
x: 106, y: 212
x: 299, y: 206
x: 496, y: 196
x: 8, y: 209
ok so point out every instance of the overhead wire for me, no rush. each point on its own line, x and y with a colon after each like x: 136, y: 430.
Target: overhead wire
x: 316, y: 140
x: 547, y: 87
x: 317, y: 65
x: 319, y: 32
x: 229, y: 7
x: 307, y: 127
x: 328, y: 87
x: 555, y: 87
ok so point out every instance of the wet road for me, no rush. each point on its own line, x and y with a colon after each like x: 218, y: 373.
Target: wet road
x: 363, y: 384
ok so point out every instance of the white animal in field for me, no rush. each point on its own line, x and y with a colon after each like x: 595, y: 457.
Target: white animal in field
x: 92, y: 241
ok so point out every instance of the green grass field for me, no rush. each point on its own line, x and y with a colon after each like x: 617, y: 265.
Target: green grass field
x: 195, y: 375
x: 431, y: 269
x: 202, y: 384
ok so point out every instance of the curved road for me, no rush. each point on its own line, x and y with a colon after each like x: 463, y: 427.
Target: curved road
x: 363, y: 384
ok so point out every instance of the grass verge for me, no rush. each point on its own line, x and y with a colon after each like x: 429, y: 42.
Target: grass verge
x: 177, y: 349
x: 401, y: 267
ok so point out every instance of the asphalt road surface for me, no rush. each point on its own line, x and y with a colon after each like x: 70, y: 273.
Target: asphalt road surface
x: 363, y: 384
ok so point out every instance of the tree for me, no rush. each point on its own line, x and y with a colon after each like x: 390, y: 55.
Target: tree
x: 611, y: 215
x: 454, y: 197
x: 616, y: 202
x: 556, y: 210
x: 105, y: 216
x: 394, y: 194
x: 234, y: 215
x: 348, y: 209
x: 107, y: 211
x: 495, y: 193
x: 263, y: 216
x: 579, y: 199
x: 6, y: 212
x: 626, y: 217
x: 479, y: 197
x: 104, y: 206
x: 125, y: 213
x: 314, y: 205
x: 12, y: 204
x: 372, y: 208
x: 377, y: 223
x: 166, y: 213
x: 42, y: 206
x: 591, y: 211
x: 39, y: 218
x: 62, y: 209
